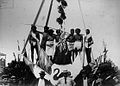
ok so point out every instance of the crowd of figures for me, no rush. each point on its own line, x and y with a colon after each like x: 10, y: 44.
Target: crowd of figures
x: 61, y: 47
x: 63, y: 50
x: 98, y: 73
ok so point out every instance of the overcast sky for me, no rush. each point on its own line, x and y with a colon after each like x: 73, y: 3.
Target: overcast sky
x: 101, y: 16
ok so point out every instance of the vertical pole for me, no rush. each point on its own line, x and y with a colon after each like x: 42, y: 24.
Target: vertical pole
x: 83, y: 51
x: 50, y: 8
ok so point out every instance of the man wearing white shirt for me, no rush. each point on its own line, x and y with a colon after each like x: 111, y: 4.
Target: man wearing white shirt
x: 88, y: 45
x: 41, y: 81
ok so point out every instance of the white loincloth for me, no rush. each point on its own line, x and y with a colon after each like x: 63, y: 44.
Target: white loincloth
x: 70, y: 45
x: 77, y: 45
x: 50, y: 48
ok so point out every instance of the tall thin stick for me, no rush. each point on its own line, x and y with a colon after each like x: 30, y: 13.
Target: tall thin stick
x: 50, y: 8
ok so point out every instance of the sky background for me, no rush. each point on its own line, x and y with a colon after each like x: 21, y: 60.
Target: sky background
x: 101, y: 16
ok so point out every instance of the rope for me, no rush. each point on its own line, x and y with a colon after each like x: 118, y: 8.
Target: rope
x: 82, y: 14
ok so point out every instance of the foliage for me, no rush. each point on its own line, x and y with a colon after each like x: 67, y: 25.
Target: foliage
x: 19, y: 71
x: 104, y: 73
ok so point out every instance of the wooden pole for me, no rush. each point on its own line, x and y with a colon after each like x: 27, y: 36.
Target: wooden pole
x: 36, y: 18
x: 83, y: 51
x: 50, y: 8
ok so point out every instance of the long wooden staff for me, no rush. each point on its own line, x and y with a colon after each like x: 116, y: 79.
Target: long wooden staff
x: 50, y: 8
x: 36, y: 18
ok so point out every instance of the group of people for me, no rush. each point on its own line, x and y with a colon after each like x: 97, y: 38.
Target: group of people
x: 34, y: 40
x: 75, y: 42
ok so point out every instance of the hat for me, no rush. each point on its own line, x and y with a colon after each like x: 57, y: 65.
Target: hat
x: 42, y: 73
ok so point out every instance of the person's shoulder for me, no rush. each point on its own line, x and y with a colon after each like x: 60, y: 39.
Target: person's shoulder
x: 89, y: 35
x: 81, y: 35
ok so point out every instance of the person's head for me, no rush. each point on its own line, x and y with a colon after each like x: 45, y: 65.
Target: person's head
x: 72, y: 31
x: 46, y: 29
x: 58, y: 32
x: 87, y: 31
x: 50, y: 31
x: 66, y: 73
x: 77, y: 30
x: 33, y: 28
x: 91, y: 64
x: 42, y: 74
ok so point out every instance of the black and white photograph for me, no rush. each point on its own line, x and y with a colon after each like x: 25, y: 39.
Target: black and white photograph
x: 59, y: 43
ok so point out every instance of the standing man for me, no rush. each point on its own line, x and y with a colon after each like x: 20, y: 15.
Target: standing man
x: 78, y: 41
x: 44, y: 38
x: 41, y: 81
x: 66, y: 80
x: 34, y: 39
x: 70, y: 42
x: 57, y: 36
x: 88, y: 45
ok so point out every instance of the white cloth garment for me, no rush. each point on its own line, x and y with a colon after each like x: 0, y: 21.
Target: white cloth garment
x: 70, y: 45
x: 77, y: 45
x: 86, y: 41
x: 41, y: 82
x: 50, y: 48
